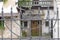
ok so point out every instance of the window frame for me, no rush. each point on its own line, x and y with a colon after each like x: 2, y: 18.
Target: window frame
x: 23, y: 26
x: 46, y: 23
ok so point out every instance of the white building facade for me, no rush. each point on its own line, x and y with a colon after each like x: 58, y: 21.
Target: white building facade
x: 56, y: 32
x: 43, y: 18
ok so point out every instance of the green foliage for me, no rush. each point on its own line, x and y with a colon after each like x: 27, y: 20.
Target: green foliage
x: 24, y: 34
x: 2, y: 25
x: 23, y: 2
x: 34, y: 33
x: 4, y: 1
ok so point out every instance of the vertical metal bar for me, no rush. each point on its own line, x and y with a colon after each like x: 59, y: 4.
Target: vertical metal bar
x: 30, y: 25
x: 58, y: 22
x: 51, y: 28
x: 30, y: 10
x: 48, y: 13
x: 20, y: 14
x: 30, y: 30
x: 2, y: 22
x: 11, y: 22
x: 48, y: 16
x: 38, y: 10
x: 40, y: 35
x: 19, y: 19
x: 39, y: 23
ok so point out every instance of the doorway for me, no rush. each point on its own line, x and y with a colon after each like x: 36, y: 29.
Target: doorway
x: 35, y: 28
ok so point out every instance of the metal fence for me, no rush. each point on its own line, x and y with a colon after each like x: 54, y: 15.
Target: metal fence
x: 29, y: 34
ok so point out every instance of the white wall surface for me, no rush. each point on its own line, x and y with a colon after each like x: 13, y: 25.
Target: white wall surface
x: 8, y: 8
x: 56, y: 32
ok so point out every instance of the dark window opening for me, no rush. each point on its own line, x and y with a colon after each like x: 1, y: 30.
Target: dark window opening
x: 47, y: 23
x: 35, y: 1
x: 25, y: 24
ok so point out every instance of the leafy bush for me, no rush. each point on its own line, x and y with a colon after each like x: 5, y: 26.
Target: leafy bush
x: 23, y: 2
x: 2, y: 25
x: 24, y: 34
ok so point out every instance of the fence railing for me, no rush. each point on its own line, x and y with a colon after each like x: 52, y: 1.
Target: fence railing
x: 32, y: 33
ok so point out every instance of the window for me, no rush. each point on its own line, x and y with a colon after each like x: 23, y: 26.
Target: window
x: 35, y: 1
x: 47, y: 23
x: 25, y: 24
x: 24, y: 28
